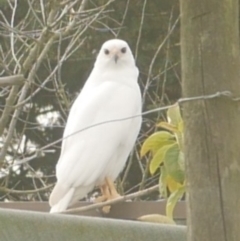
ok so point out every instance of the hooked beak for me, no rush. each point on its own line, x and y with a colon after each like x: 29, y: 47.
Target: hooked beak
x: 116, y: 58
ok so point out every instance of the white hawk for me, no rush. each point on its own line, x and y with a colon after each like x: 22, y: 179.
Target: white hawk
x: 99, y: 135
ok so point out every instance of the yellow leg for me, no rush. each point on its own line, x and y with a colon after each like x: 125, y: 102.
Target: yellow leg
x: 109, y: 192
x: 111, y: 187
x: 105, y: 193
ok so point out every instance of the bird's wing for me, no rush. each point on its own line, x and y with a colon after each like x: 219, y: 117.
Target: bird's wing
x: 85, y: 154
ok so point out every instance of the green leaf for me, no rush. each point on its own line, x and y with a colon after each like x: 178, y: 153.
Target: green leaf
x: 172, y: 184
x: 173, y: 199
x: 158, y: 158
x: 167, y: 126
x: 156, y: 218
x: 181, y: 161
x: 156, y: 141
x: 180, y: 126
x: 163, y: 182
x: 179, y: 138
x: 172, y: 163
x: 174, y: 115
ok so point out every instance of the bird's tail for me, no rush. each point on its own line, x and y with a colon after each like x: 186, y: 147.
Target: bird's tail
x: 64, y: 202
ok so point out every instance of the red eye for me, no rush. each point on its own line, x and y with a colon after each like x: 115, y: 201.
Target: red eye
x: 106, y: 51
x: 124, y: 50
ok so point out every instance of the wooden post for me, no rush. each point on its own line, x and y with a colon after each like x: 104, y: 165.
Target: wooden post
x: 210, y: 63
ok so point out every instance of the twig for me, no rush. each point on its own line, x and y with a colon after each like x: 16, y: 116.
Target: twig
x: 117, y: 200
x: 42, y: 47
x: 155, y: 56
x: 11, y: 80
x: 144, y: 176
x: 140, y: 29
x: 7, y: 190
x: 227, y: 94
x: 8, y: 108
x: 166, y: 61
x: 124, y: 17
x: 12, y: 34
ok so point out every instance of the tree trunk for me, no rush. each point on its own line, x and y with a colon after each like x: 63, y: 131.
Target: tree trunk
x: 210, y: 63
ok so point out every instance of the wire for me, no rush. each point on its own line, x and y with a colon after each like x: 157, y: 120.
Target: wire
x: 227, y: 94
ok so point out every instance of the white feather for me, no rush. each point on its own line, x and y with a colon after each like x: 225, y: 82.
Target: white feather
x: 89, y: 155
x: 64, y: 202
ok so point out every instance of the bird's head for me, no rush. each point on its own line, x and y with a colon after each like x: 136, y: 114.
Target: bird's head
x: 115, y: 52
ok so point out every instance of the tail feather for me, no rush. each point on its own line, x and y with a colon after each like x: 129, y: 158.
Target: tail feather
x: 58, y: 192
x: 63, y: 196
x: 63, y: 203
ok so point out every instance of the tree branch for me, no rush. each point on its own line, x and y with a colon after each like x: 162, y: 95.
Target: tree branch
x: 7, y: 190
x: 11, y: 80
x: 117, y: 200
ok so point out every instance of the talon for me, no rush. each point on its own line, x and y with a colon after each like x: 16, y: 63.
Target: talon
x: 113, y: 192
x: 106, y: 209
x: 108, y: 192
x: 100, y: 199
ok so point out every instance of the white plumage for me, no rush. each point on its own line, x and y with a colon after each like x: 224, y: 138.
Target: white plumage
x: 90, y: 155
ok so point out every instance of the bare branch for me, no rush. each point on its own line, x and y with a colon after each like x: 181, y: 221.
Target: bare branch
x: 155, y: 56
x: 7, y: 190
x: 8, y: 109
x: 117, y: 200
x: 12, y: 80
x: 140, y: 28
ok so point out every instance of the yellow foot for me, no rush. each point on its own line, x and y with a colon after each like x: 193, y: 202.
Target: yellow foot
x: 109, y: 192
x: 112, y: 190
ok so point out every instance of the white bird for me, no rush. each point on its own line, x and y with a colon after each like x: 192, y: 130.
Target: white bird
x: 97, y: 139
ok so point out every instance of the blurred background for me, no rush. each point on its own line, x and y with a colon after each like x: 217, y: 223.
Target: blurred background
x: 54, y: 45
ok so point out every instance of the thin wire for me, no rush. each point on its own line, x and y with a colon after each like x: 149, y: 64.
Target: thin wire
x: 180, y: 101
x: 227, y: 94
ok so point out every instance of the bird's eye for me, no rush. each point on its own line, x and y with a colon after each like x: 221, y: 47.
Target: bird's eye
x: 106, y: 51
x: 124, y: 50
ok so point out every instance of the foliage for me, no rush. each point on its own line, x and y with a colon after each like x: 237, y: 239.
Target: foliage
x: 156, y: 218
x: 166, y: 148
